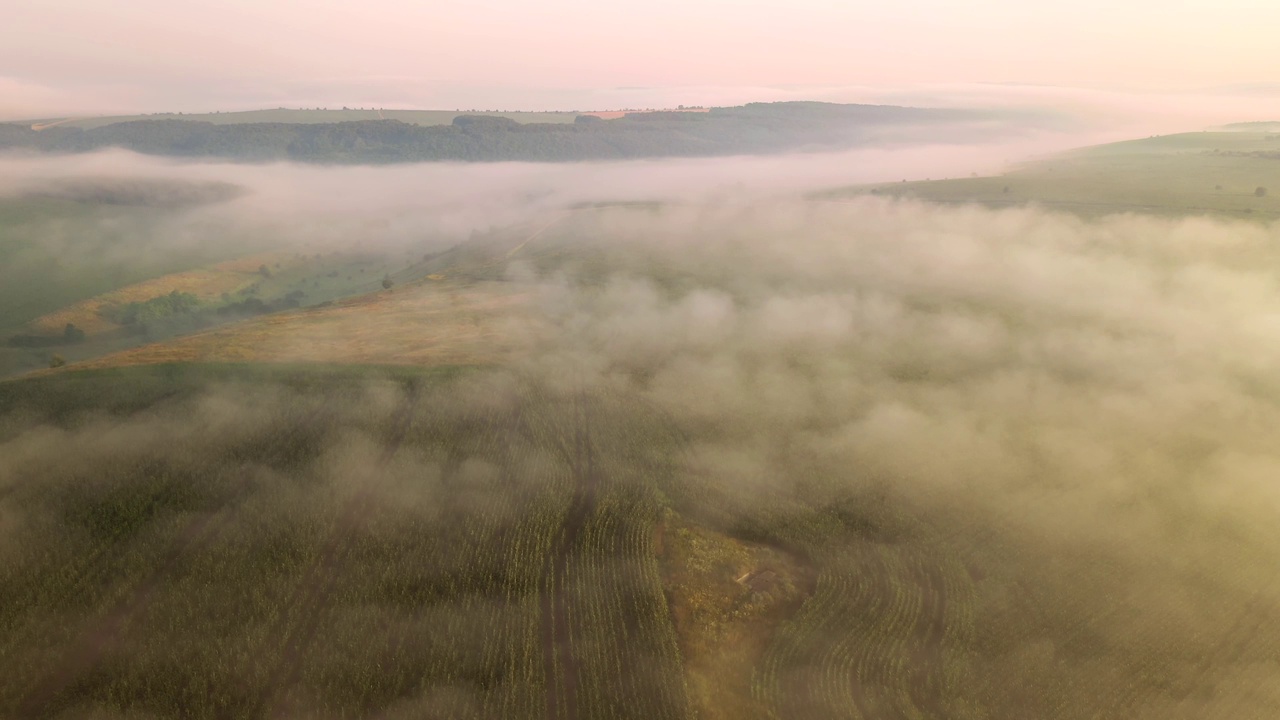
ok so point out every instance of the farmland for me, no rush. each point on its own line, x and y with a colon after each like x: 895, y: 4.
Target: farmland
x: 462, y: 542
x: 782, y: 458
x: 200, y: 576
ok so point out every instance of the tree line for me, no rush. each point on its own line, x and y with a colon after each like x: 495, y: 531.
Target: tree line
x: 753, y: 128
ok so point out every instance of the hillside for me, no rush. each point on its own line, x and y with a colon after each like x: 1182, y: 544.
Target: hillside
x: 1217, y: 173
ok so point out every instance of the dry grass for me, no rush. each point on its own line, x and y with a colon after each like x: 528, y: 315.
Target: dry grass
x: 205, y: 283
x: 428, y: 324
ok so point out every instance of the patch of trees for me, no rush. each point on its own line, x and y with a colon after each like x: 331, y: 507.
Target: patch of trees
x: 754, y: 128
x: 171, y: 314
x: 71, y: 335
x: 256, y: 306
x: 157, y: 308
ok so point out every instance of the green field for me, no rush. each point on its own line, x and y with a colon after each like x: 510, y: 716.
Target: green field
x: 196, y: 585
x: 1195, y: 173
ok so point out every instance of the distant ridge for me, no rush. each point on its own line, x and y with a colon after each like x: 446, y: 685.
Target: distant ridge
x: 755, y: 128
x: 1255, y: 126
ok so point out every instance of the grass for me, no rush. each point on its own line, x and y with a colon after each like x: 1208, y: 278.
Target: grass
x: 207, y: 284
x: 1188, y: 174
x: 429, y: 324
x: 56, y: 252
x: 317, y: 279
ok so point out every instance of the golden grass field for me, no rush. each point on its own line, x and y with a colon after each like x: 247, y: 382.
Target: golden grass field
x: 205, y: 283
x: 435, y: 323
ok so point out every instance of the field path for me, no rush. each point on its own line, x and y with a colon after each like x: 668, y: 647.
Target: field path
x: 44, y: 126
x: 535, y: 234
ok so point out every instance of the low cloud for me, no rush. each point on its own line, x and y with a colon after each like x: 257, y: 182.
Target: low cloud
x: 1098, y: 394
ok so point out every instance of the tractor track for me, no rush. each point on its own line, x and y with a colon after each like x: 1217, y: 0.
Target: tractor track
x: 557, y: 643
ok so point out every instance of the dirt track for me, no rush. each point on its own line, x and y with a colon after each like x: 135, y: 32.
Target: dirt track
x: 557, y: 644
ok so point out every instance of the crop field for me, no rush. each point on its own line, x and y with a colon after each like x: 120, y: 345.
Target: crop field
x: 461, y: 543
x: 139, y: 585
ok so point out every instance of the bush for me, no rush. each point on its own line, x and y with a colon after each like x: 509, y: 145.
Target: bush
x: 1260, y: 192
x: 57, y: 361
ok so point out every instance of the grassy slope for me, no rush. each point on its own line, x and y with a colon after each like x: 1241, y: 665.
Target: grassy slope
x: 1192, y: 173
x: 444, y: 308
x: 55, y: 252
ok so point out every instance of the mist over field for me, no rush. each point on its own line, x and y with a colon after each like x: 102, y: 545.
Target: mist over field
x: 1082, y: 411
x: 441, y: 189
x: 639, y: 361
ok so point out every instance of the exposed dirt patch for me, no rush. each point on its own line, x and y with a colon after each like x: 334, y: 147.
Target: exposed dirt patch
x: 727, y: 598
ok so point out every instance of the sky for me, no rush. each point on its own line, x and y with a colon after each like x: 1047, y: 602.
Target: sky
x: 101, y: 56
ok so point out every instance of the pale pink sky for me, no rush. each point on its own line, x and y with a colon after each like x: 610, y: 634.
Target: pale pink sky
x: 100, y: 56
